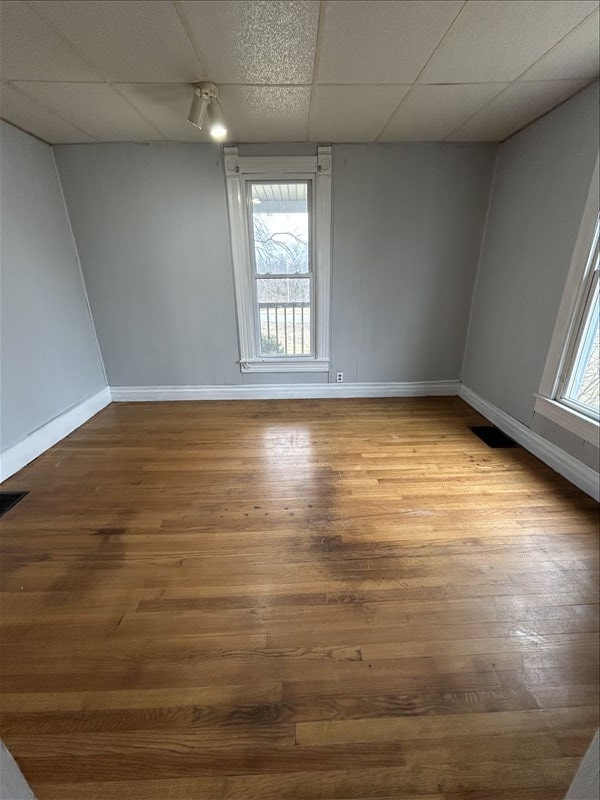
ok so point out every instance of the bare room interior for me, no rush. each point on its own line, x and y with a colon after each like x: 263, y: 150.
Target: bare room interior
x: 299, y: 400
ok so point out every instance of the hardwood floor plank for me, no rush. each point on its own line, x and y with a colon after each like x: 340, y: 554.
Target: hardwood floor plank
x: 409, y: 779
x: 184, y: 789
x: 82, y: 713
x: 464, y: 749
x: 256, y: 692
x: 531, y: 793
x: 575, y: 742
x: 172, y: 654
x: 400, y: 729
x: 233, y: 756
x: 177, y: 789
x: 579, y: 623
x: 523, y: 642
x: 567, y: 696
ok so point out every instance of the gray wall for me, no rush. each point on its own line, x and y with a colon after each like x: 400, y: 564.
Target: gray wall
x: 407, y: 226
x: 13, y: 785
x: 540, y: 187
x: 152, y: 231
x: 49, y: 355
x: 151, y: 228
x: 586, y: 783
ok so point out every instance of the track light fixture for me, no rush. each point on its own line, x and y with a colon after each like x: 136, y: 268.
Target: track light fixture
x: 204, y: 106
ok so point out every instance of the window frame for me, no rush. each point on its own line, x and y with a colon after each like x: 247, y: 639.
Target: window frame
x: 240, y: 173
x: 582, y: 330
x: 550, y: 401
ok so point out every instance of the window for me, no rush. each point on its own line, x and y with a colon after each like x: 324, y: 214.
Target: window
x: 569, y: 394
x: 280, y: 218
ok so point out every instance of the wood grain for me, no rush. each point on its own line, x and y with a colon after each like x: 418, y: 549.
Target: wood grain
x: 297, y: 599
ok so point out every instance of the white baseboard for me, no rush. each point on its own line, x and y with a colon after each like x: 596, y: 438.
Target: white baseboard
x: 20, y: 454
x: 299, y: 391
x: 566, y: 465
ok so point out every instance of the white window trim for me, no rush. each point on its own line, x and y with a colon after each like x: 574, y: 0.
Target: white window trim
x: 317, y: 168
x: 568, y: 418
x: 547, y: 403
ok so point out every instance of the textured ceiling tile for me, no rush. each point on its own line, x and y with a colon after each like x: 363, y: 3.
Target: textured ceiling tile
x: 128, y: 40
x: 575, y: 56
x: 31, y: 51
x: 379, y: 41
x: 430, y: 113
x: 26, y: 114
x: 515, y: 107
x: 352, y: 113
x: 254, y: 41
x: 95, y: 108
x: 267, y: 113
x: 496, y: 40
x: 167, y: 107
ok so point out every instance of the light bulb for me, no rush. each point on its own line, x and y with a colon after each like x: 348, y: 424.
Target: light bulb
x: 217, y: 127
x: 218, y: 131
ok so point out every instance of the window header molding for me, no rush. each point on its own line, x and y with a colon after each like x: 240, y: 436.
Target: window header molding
x: 270, y: 165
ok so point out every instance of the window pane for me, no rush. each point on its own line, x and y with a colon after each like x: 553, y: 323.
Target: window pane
x: 284, y: 316
x: 280, y: 226
x: 584, y: 387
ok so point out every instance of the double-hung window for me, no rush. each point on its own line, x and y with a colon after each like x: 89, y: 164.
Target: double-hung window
x: 280, y: 218
x: 281, y: 265
x: 570, y: 389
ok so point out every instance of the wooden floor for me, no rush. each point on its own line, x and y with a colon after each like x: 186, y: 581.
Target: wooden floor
x: 297, y: 599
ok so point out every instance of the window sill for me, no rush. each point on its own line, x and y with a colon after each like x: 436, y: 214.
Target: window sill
x: 286, y: 365
x: 568, y: 418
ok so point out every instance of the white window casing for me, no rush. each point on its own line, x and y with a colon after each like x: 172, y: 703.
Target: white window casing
x: 240, y: 171
x: 549, y: 401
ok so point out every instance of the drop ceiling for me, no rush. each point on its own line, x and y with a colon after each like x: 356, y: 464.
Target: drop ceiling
x: 292, y: 70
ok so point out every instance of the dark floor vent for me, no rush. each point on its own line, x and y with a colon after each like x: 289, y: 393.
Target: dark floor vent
x: 10, y: 499
x: 492, y: 436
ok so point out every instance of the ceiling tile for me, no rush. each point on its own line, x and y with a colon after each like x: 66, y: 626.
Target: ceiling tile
x: 253, y: 41
x: 514, y: 108
x: 380, y: 41
x: 26, y: 114
x: 93, y: 107
x: 30, y: 50
x: 167, y: 107
x: 267, y: 113
x: 430, y: 113
x: 497, y: 40
x: 575, y: 56
x: 352, y: 113
x: 128, y: 40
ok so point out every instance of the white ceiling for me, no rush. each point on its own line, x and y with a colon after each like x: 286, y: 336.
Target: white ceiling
x: 292, y: 70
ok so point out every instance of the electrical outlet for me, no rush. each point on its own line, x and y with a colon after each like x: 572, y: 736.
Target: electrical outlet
x: 339, y: 377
